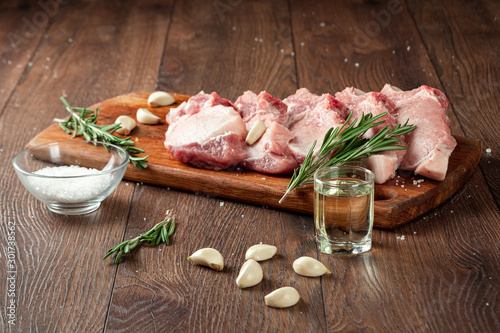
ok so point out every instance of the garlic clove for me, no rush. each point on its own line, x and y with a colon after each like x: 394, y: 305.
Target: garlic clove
x: 127, y: 124
x: 160, y: 98
x: 310, y: 267
x: 250, y: 274
x: 282, y: 297
x: 255, y: 132
x: 208, y: 257
x: 145, y: 116
x: 260, y: 252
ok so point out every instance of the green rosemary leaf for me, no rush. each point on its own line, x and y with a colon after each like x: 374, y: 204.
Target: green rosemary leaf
x: 156, y: 235
x: 348, y: 146
x: 83, y: 122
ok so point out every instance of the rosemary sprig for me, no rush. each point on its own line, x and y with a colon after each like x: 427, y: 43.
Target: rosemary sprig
x: 345, y: 144
x: 161, y: 232
x: 84, y: 122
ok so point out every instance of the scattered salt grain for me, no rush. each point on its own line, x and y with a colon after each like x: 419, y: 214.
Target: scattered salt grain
x: 72, y: 188
x: 408, y: 48
x: 393, y: 51
x: 293, y: 54
x: 322, y: 24
x: 346, y: 60
x: 356, y: 64
x: 256, y: 39
x: 234, y: 28
x: 282, y: 50
x: 264, y: 178
x: 70, y: 40
x: 242, y: 215
x: 222, y: 203
x: 302, y: 44
x: 488, y: 150
x: 48, y: 58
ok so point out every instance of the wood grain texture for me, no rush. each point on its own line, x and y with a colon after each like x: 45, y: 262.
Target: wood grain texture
x: 397, y: 202
x: 472, y: 82
x: 60, y: 271
x: 436, y: 274
x: 366, y: 50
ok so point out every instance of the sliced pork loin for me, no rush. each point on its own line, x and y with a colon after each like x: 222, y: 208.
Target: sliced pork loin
x: 383, y: 164
x: 195, y: 104
x: 212, y: 137
x: 270, y: 154
x: 431, y: 143
x: 310, y: 117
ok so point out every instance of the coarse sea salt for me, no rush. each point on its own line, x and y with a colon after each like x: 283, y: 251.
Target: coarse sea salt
x: 72, y: 187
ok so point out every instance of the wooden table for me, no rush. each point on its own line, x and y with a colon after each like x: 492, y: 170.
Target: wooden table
x: 438, y: 273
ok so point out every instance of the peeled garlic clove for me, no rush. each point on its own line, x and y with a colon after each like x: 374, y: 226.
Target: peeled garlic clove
x: 127, y: 124
x: 208, y: 257
x: 250, y: 274
x: 160, y: 98
x: 255, y: 132
x: 145, y: 116
x: 282, y: 297
x: 308, y: 266
x: 260, y: 252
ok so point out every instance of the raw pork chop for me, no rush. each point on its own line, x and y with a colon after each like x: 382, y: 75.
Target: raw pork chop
x: 312, y: 116
x: 270, y: 154
x: 431, y: 143
x: 195, y: 104
x: 303, y: 100
x: 383, y: 164
x: 211, y: 138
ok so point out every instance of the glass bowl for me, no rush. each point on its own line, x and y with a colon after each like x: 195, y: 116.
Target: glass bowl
x: 71, y: 177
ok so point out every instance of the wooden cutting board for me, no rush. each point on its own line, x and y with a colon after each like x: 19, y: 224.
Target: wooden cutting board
x: 396, y: 202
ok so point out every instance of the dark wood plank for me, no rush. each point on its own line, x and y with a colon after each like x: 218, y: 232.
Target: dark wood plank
x: 415, y: 271
x: 22, y: 27
x: 466, y: 59
x: 229, y: 47
x: 205, y: 52
x: 397, y: 202
x: 62, y: 284
x: 159, y: 286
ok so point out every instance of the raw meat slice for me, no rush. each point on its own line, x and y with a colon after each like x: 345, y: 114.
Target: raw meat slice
x: 312, y: 116
x: 253, y: 107
x: 431, y: 143
x: 195, y: 104
x: 270, y: 154
x: 311, y: 126
x: 212, y: 138
x: 303, y: 101
x: 382, y: 164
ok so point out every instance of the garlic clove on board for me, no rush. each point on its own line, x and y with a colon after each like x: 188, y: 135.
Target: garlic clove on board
x: 127, y: 124
x: 145, y: 116
x: 250, y: 274
x: 255, y: 132
x: 208, y: 257
x: 260, y: 252
x: 160, y: 98
x: 310, y: 267
x: 282, y: 297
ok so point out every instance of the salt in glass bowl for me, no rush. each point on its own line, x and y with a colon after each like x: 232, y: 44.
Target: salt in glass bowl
x: 71, y: 177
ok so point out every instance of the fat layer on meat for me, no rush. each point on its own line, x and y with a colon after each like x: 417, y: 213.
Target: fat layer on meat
x: 431, y: 143
x: 270, y: 154
x: 211, y: 138
x: 383, y: 164
x: 195, y: 104
x: 311, y: 117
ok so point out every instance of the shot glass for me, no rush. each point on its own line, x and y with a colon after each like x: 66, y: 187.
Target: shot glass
x: 343, y: 209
